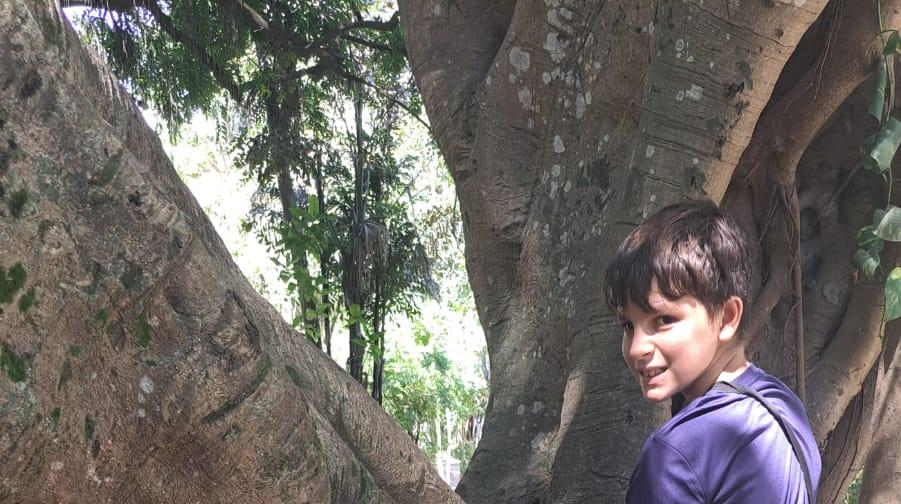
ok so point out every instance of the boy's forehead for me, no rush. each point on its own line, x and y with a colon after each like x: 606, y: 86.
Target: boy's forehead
x: 657, y: 302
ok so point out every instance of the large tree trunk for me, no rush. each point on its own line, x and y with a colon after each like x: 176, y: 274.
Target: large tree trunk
x: 139, y: 365
x: 565, y: 123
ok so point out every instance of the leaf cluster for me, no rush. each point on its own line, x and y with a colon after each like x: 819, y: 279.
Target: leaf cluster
x: 877, y: 154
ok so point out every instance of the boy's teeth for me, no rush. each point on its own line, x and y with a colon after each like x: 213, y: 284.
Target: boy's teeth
x: 652, y: 372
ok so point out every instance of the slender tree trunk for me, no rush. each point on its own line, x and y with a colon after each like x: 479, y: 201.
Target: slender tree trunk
x: 354, y: 295
x: 278, y: 116
x: 325, y: 264
x: 378, y: 323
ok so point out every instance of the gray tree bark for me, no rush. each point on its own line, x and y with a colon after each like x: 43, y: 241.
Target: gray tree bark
x: 882, y: 473
x: 138, y: 363
x: 564, y: 124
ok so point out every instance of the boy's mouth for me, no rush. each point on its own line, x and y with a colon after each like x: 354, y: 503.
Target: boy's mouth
x: 651, y: 372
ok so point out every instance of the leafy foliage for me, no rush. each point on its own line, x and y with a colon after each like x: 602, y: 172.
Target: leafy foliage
x: 419, y: 394
x: 333, y: 203
x: 278, y: 77
x: 877, y: 153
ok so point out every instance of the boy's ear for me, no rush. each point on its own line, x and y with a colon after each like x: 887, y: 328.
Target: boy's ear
x: 731, y: 317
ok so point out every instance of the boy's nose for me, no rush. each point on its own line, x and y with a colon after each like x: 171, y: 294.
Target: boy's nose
x: 642, y: 348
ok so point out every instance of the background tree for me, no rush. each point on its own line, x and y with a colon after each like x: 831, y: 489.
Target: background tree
x: 563, y: 125
x: 288, y: 72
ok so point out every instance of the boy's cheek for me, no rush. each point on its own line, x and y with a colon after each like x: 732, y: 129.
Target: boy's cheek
x: 624, y: 349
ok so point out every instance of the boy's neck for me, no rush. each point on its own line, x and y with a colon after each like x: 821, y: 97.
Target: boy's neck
x: 736, y: 365
x: 730, y: 363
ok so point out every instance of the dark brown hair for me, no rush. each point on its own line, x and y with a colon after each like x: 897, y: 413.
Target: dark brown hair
x: 690, y: 248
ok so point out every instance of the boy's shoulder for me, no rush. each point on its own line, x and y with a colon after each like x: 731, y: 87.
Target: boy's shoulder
x: 726, y: 429
x: 729, y: 444
x: 719, y: 415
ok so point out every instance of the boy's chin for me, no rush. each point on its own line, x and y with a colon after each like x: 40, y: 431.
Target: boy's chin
x: 657, y: 396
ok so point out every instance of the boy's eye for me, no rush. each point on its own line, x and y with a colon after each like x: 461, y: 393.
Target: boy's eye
x: 666, y: 320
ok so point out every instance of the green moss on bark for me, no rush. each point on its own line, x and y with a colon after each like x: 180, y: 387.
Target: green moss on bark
x: 88, y: 428
x: 131, y: 277
x: 16, y: 202
x: 11, y: 281
x: 142, y: 332
x: 51, y: 30
x: 110, y: 169
x: 26, y: 301
x: 15, y: 367
x: 43, y: 227
x: 101, y: 319
x: 295, y: 376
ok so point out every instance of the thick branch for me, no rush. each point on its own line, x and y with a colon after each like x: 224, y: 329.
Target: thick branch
x: 837, y: 377
x: 451, y: 49
x: 788, y: 127
x: 881, y: 482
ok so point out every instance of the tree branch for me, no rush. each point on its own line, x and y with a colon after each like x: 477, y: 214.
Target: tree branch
x: 447, y: 72
x: 789, y: 126
x: 373, y: 45
x: 110, y: 5
x: 333, y: 34
x: 353, y: 78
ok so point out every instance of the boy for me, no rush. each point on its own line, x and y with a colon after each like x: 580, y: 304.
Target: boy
x: 680, y: 283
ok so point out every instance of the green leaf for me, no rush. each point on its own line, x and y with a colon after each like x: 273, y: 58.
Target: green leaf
x: 879, y: 149
x: 354, y: 311
x: 311, y: 314
x: 893, y: 44
x: 889, y: 227
x: 893, y: 295
x: 877, y: 95
x: 313, y: 207
x: 866, y: 261
x: 867, y: 239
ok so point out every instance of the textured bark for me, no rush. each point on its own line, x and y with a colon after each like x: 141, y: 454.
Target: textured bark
x: 146, y: 369
x: 564, y: 124
x: 882, y: 473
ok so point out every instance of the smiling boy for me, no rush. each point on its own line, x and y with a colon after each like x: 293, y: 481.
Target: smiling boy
x: 680, y: 283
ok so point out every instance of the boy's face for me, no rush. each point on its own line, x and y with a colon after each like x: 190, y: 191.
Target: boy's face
x: 674, y: 348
